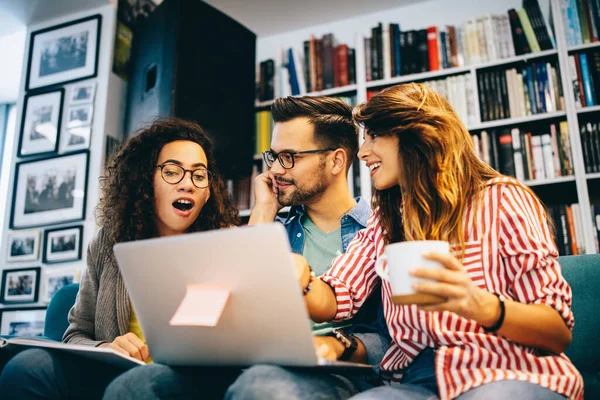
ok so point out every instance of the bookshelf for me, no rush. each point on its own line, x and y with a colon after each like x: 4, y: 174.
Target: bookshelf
x: 572, y: 187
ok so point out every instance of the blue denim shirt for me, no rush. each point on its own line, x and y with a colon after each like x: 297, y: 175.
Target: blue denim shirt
x: 369, y: 323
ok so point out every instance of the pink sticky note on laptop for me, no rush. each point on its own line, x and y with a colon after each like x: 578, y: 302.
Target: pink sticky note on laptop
x: 201, y: 306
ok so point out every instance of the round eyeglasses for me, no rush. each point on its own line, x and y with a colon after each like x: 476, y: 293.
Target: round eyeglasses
x: 287, y: 158
x: 173, y: 174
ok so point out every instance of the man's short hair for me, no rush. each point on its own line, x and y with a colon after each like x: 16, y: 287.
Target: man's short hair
x: 330, y: 117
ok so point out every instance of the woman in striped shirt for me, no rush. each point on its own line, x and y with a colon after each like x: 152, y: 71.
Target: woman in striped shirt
x: 506, y: 320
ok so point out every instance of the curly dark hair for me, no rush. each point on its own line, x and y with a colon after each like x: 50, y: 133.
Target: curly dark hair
x: 126, y: 211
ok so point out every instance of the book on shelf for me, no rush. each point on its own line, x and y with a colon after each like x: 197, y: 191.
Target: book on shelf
x: 568, y: 228
x: 529, y: 156
x: 595, y: 211
x: 477, y: 40
x: 100, y: 354
x: 517, y: 92
x: 584, y: 74
x: 581, y: 19
x: 590, y: 143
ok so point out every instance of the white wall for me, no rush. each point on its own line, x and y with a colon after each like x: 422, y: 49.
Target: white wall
x: 415, y: 16
x: 12, y: 51
x: 108, y: 108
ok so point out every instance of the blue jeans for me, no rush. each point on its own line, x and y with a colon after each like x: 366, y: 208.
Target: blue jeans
x: 43, y: 374
x: 270, y: 382
x: 501, y: 390
x: 158, y: 381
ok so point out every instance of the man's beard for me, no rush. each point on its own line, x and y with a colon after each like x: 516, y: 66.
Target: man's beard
x: 301, y: 196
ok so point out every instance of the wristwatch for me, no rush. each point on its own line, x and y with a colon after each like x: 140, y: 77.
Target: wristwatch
x: 348, y: 341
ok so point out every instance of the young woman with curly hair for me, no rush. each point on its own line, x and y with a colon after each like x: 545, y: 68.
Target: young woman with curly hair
x: 505, y: 321
x: 163, y: 182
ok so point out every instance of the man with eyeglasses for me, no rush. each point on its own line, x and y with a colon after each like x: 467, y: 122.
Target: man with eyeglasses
x: 313, y: 145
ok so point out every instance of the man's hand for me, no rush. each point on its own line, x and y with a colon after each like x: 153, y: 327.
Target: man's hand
x: 266, y: 205
x: 265, y: 193
x: 131, y: 345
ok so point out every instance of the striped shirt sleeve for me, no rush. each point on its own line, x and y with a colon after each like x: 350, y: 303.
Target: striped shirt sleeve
x: 529, y: 253
x: 352, y: 274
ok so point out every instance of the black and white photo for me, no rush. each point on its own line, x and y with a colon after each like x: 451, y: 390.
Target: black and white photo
x: 64, y: 53
x: 82, y: 93
x: 49, y: 191
x: 41, y: 123
x: 78, y: 130
x: 75, y: 139
x: 56, y: 278
x: 20, y: 285
x: 23, y: 245
x: 23, y: 321
x: 62, y: 244
x: 79, y: 116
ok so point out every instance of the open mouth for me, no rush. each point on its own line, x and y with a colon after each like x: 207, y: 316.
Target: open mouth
x: 183, y: 204
x: 374, y: 167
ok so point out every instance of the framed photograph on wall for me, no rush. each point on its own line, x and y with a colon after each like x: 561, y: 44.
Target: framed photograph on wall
x: 55, y: 278
x: 50, y: 191
x: 82, y: 93
x: 78, y: 129
x: 62, y: 244
x: 22, y: 321
x: 64, y: 53
x: 23, y: 245
x: 20, y: 285
x: 41, y: 123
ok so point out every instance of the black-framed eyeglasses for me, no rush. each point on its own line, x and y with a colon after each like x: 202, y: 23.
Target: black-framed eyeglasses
x: 287, y: 158
x: 173, y: 174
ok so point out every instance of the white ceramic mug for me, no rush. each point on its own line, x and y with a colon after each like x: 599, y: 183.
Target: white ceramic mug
x: 401, y: 258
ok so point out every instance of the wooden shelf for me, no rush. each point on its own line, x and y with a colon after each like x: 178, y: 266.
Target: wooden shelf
x: 595, y: 175
x: 583, y: 47
x: 418, y: 77
x: 458, y: 70
x: 588, y: 109
x: 561, y: 179
x: 522, y: 57
x: 516, y: 121
x: 327, y: 92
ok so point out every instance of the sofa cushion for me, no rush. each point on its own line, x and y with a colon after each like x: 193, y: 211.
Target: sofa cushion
x: 583, y: 274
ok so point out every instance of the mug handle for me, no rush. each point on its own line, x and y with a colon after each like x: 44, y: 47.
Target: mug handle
x: 379, y: 268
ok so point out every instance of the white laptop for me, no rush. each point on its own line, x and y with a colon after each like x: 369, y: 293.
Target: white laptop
x: 264, y: 320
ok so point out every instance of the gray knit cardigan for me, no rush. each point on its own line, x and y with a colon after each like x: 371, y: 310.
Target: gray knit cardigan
x: 102, y: 308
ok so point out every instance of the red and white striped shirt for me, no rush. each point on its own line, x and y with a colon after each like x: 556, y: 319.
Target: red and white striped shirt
x: 509, y: 251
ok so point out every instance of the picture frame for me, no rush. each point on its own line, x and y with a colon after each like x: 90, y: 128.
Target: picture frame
x: 55, y: 278
x: 62, y: 244
x: 23, y: 245
x: 50, y: 191
x: 75, y: 139
x: 41, y: 123
x: 22, y: 321
x: 82, y: 93
x: 64, y: 53
x: 20, y: 285
x: 78, y: 128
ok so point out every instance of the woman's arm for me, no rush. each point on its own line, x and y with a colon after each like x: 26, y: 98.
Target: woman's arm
x: 535, y: 325
x: 342, y: 290
x: 538, y: 313
x: 82, y: 316
x: 321, y: 302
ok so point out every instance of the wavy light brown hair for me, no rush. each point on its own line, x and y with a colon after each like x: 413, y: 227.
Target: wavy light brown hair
x: 440, y: 170
x: 127, y: 209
